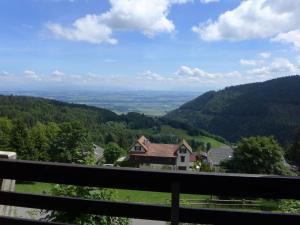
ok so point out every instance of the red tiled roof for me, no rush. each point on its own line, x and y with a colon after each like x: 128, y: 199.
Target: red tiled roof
x: 193, y: 158
x: 143, y: 141
x: 161, y: 150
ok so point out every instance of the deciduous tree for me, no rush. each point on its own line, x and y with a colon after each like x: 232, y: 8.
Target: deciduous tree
x: 257, y: 155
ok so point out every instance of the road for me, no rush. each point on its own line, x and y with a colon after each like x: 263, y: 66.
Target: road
x: 35, y: 214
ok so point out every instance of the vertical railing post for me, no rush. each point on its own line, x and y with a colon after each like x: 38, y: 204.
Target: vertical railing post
x: 7, y: 185
x: 175, y: 203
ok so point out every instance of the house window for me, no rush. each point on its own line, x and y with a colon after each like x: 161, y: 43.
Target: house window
x: 182, y: 151
x: 182, y: 158
x: 137, y: 148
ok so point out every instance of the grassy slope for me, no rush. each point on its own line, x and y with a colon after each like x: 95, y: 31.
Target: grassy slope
x: 166, y: 129
x: 122, y: 195
x: 183, y: 134
x: 152, y: 197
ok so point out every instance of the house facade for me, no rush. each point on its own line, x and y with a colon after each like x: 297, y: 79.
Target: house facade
x: 178, y: 156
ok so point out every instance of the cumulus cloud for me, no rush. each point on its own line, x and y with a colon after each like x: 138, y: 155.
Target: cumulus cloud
x: 253, y: 19
x: 292, y: 37
x: 278, y: 67
x: 194, y: 72
x: 87, y: 29
x: 147, y: 17
x: 190, y: 72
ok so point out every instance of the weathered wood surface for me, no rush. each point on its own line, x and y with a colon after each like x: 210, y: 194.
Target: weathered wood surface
x: 7, y: 184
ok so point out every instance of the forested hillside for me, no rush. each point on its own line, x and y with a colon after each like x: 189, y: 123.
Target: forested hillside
x: 43, y: 129
x: 31, y: 110
x: 266, y: 108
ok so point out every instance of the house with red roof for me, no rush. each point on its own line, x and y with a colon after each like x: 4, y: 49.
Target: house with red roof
x: 179, y: 156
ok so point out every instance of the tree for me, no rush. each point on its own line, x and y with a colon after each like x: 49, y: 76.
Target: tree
x: 289, y: 206
x: 257, y: 155
x: 69, y: 142
x: 5, y: 133
x: 208, y: 146
x: 110, y: 138
x: 294, y: 152
x: 41, y: 142
x: 112, y: 152
x: 21, y: 142
x: 87, y: 193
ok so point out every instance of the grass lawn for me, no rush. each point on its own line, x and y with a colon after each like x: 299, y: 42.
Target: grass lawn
x: 122, y: 195
x: 34, y: 187
x: 153, y: 197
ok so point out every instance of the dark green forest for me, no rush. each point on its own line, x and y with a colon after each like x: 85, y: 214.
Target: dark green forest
x: 49, y: 130
x: 270, y: 108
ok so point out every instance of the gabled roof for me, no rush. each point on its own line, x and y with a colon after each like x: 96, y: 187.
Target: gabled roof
x: 160, y: 150
x: 143, y: 141
x: 98, y: 152
x: 184, y: 142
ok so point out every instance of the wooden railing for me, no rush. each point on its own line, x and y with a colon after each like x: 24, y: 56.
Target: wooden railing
x: 6, y: 185
x: 176, y: 183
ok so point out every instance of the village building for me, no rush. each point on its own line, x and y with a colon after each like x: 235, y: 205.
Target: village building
x: 98, y: 152
x: 146, y: 154
x: 216, y: 155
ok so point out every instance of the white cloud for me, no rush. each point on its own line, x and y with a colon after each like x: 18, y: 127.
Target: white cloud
x: 265, y: 55
x: 185, y: 71
x: 32, y: 75
x: 87, y: 29
x: 282, y: 65
x: 4, y: 74
x: 292, y: 37
x: 147, y: 17
x: 298, y: 60
x: 251, y: 62
x: 278, y: 67
x: 194, y: 72
x: 262, y: 71
x: 149, y: 75
x: 252, y: 19
x: 184, y: 77
x: 208, y: 1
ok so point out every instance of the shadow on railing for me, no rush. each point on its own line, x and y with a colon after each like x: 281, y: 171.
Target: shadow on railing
x: 176, y: 183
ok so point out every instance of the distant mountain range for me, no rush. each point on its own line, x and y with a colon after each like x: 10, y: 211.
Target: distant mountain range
x: 266, y: 108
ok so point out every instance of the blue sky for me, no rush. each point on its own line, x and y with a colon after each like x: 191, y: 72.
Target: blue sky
x: 139, y: 44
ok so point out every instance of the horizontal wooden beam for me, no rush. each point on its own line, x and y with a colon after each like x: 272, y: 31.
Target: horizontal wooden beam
x: 263, y: 186
x: 78, y: 206
x: 144, y: 211
x: 232, y: 217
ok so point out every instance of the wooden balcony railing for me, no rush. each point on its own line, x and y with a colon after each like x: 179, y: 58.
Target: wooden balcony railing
x: 256, y: 186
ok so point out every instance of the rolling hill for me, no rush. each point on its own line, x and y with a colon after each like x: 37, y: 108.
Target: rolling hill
x: 266, y: 108
x: 102, y: 125
x: 33, y: 109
